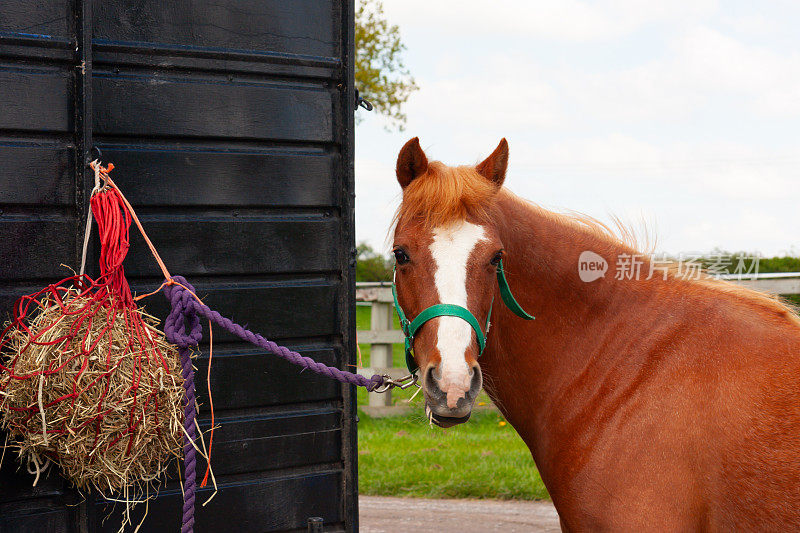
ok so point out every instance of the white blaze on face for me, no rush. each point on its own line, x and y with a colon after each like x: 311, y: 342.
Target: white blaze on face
x: 451, y: 248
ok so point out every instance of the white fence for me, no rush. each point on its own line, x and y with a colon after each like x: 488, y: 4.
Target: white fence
x: 382, y: 334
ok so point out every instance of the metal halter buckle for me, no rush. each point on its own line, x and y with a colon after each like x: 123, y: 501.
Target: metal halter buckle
x: 389, y: 383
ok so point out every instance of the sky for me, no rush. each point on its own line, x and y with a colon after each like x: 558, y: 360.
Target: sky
x: 681, y: 118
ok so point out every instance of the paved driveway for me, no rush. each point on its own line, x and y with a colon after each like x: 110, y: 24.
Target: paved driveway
x: 380, y: 514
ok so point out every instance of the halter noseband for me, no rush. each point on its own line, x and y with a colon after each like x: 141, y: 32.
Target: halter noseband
x: 410, y: 327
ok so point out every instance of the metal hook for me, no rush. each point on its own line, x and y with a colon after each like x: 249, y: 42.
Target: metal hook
x: 364, y: 104
x: 389, y: 383
x: 95, y: 150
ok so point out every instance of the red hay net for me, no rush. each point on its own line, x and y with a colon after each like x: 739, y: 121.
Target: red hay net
x: 91, y: 334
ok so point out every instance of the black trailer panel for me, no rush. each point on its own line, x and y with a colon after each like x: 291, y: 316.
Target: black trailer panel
x: 231, y: 128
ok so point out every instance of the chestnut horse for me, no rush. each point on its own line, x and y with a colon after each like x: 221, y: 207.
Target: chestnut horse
x: 652, y: 404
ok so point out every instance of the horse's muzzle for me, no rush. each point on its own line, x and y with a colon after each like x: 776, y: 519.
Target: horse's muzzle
x: 441, y: 405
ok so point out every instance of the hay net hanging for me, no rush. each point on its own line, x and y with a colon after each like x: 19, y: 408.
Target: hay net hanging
x: 87, y: 381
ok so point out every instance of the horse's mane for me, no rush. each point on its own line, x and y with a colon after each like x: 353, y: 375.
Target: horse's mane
x: 624, y: 237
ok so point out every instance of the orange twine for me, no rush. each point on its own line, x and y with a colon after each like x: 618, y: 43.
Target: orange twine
x: 169, y: 281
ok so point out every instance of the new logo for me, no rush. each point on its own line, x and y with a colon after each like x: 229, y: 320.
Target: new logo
x: 591, y: 266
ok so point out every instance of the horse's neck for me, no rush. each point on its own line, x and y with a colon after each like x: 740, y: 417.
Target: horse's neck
x: 618, y: 382
x: 532, y: 368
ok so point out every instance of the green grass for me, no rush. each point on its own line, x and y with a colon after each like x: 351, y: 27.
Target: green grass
x: 484, y: 458
x: 404, y: 456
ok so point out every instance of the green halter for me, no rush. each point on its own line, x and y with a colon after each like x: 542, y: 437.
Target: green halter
x: 410, y: 327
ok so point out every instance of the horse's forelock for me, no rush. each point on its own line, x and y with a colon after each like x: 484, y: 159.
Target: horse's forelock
x: 444, y: 195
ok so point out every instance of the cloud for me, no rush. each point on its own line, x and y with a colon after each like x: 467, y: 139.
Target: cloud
x: 565, y: 20
x: 697, y: 196
x: 500, y: 93
x: 701, y: 65
x: 754, y: 230
x: 719, y: 169
x: 377, y: 197
x: 692, y: 127
x: 699, y: 68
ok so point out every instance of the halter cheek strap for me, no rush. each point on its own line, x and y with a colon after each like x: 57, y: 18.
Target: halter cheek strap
x: 410, y: 327
x: 508, y: 298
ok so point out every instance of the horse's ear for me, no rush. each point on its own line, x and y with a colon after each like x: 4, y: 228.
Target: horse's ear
x: 493, y: 168
x: 411, y: 162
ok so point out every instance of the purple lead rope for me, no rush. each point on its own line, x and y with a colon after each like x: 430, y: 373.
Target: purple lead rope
x: 183, y: 317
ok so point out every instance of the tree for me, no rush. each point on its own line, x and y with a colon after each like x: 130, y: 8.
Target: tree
x: 381, y: 76
x: 371, y: 266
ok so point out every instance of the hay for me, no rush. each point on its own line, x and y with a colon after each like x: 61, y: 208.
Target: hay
x: 112, y: 413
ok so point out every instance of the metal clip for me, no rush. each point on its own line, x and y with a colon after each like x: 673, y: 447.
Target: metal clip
x: 360, y: 102
x: 389, y: 383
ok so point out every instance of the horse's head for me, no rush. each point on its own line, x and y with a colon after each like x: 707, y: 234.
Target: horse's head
x: 447, y: 251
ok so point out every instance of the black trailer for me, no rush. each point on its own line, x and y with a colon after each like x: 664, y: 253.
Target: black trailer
x: 231, y: 126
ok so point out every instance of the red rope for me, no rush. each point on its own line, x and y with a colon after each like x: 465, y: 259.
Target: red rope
x: 107, y: 299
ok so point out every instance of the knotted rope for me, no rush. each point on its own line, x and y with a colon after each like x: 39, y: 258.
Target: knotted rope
x: 175, y: 330
x: 183, y: 329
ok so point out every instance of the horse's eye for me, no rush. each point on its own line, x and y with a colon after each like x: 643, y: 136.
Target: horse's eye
x: 401, y: 256
x: 496, y: 259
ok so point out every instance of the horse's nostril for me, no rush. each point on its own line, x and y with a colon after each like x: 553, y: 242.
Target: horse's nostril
x: 475, y: 375
x: 433, y: 377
